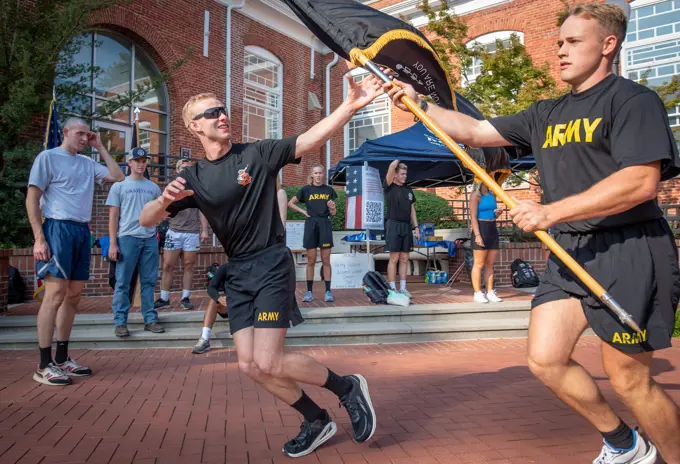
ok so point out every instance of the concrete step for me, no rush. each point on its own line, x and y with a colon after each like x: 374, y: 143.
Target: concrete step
x: 303, y: 335
x: 339, y: 315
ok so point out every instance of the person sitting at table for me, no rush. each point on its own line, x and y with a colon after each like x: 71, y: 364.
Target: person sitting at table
x: 483, y: 213
x: 400, y: 220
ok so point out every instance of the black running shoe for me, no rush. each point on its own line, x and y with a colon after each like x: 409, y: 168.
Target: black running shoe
x: 360, y: 409
x: 187, y: 304
x: 161, y: 303
x: 311, y: 436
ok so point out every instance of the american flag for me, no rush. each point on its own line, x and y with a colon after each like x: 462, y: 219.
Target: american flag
x: 353, y: 189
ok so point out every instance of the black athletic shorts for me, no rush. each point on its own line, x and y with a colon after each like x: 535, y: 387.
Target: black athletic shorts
x: 398, y: 236
x: 318, y: 233
x: 261, y: 290
x: 489, y: 233
x: 638, y: 265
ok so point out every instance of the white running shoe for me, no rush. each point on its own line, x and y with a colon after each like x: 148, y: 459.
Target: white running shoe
x: 492, y: 297
x: 642, y: 452
x: 52, y: 375
x: 479, y: 298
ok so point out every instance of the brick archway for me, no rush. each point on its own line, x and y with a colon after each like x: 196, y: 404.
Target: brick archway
x: 500, y: 24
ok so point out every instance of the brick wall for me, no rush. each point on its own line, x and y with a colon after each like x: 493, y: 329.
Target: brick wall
x: 533, y: 253
x: 98, y: 284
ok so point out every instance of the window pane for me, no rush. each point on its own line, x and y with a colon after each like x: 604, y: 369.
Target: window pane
x: 259, y: 123
x: 104, y: 112
x: 261, y: 71
x: 362, y: 129
x: 665, y: 6
x: 113, y: 60
x: 151, y: 120
x: 144, y: 72
x: 75, y: 64
x: 153, y: 143
x: 78, y: 105
x: 645, y: 11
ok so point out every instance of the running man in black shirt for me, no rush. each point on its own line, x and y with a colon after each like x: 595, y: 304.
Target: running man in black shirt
x: 235, y: 189
x: 320, y: 201
x: 400, y: 222
x: 601, y: 150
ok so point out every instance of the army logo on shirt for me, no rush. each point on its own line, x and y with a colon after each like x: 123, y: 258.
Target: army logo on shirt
x: 410, y: 196
x: 243, y: 177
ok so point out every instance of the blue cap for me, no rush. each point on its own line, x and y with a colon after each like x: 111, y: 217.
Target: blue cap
x: 136, y: 153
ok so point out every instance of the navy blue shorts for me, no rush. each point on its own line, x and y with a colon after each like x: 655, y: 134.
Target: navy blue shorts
x: 69, y: 244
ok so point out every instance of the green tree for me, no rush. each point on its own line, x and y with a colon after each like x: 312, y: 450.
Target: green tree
x: 669, y: 91
x: 509, y: 80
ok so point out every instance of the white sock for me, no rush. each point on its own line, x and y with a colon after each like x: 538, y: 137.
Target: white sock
x: 402, y: 284
x: 186, y: 293
x: 206, y: 333
x: 393, y: 285
x: 165, y: 295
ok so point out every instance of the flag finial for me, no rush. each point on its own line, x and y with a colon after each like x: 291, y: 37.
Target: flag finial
x: 137, y: 111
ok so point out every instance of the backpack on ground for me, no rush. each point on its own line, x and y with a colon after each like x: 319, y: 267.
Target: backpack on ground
x: 17, y: 288
x: 375, y: 287
x: 523, y: 275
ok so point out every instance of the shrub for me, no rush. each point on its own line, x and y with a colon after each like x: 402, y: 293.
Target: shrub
x: 15, y: 230
x: 429, y: 207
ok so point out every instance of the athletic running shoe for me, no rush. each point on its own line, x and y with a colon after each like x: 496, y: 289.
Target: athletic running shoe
x: 329, y: 297
x: 479, y: 298
x: 160, y: 303
x: 308, y: 297
x: 360, y: 409
x: 642, y: 452
x: 311, y: 436
x: 202, y: 346
x: 187, y: 304
x: 492, y: 297
x: 73, y: 369
x: 403, y: 291
x: 52, y: 375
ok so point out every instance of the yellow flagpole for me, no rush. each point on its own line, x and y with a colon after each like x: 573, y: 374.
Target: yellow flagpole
x: 482, y: 175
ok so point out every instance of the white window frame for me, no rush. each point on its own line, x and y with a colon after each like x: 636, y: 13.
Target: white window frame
x: 487, y: 39
x: 388, y: 112
x: 626, y: 46
x: 267, y: 56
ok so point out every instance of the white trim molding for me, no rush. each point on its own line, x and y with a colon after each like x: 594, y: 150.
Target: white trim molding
x: 409, y: 9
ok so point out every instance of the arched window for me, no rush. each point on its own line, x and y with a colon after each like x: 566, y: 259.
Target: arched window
x: 108, y: 65
x: 488, y: 42
x: 371, y: 122
x: 262, y: 95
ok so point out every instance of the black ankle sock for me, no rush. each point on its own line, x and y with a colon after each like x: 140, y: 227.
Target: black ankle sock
x: 621, y: 437
x: 310, y: 283
x: 62, y: 352
x: 337, y: 384
x: 45, y: 357
x: 328, y: 285
x: 308, y: 408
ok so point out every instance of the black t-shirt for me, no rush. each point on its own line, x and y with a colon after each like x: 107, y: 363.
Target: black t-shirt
x: 316, y: 198
x: 398, y: 199
x: 580, y: 139
x: 237, y: 194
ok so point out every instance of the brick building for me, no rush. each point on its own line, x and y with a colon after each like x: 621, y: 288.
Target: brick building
x: 278, y: 80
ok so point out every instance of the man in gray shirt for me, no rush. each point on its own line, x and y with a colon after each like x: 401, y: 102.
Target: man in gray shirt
x: 132, y: 245
x: 61, y: 184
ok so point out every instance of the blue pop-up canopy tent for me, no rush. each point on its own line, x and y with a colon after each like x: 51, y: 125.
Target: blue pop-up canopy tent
x: 430, y: 162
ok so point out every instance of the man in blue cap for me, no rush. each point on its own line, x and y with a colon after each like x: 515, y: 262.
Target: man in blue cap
x: 132, y: 245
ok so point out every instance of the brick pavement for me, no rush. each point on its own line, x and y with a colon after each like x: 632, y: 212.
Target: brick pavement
x: 422, y: 294
x: 453, y: 402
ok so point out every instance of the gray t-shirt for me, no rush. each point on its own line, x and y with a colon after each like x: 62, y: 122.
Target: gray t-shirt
x: 130, y: 196
x: 67, y: 182
x: 186, y: 221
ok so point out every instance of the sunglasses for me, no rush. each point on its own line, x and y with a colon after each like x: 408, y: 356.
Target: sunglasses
x: 211, y: 113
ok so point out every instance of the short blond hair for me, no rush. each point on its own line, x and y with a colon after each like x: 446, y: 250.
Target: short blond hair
x: 401, y: 167
x: 610, y: 17
x: 186, y: 111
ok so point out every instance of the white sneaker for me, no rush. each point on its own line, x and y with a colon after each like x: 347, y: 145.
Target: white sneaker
x: 403, y: 291
x: 642, y: 452
x: 479, y: 298
x: 492, y: 297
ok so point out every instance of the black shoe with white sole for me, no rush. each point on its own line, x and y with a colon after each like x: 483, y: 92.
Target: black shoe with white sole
x: 360, y: 409
x: 311, y: 436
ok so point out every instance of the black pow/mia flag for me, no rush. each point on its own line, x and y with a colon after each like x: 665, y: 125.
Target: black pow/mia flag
x: 350, y: 29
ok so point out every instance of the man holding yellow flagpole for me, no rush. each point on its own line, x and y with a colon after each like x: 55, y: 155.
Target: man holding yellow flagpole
x: 601, y: 151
